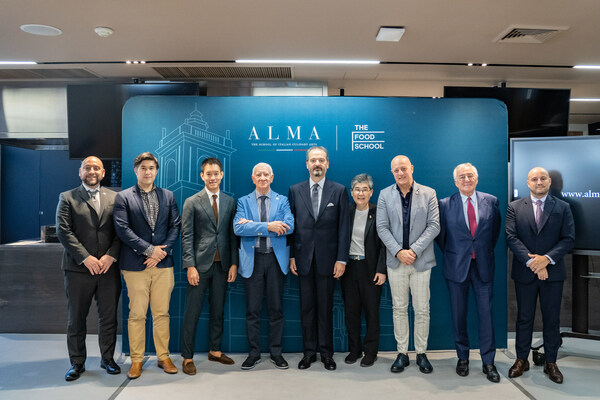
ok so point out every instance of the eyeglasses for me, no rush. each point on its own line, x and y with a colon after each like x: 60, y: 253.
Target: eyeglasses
x: 466, y: 176
x: 361, y: 191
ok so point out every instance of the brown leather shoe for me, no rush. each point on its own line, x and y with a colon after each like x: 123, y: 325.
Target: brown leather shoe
x: 223, y: 359
x: 135, y: 370
x: 188, y: 367
x: 518, y: 368
x: 551, y: 369
x: 167, y: 366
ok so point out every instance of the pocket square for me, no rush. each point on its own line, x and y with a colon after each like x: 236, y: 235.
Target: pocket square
x: 330, y: 205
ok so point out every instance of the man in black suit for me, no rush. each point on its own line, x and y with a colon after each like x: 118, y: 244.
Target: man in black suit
x: 539, y: 231
x: 319, y: 253
x: 365, y: 274
x: 84, y: 226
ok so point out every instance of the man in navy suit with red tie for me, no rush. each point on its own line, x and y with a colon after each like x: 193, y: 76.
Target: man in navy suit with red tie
x: 539, y: 230
x: 469, y: 229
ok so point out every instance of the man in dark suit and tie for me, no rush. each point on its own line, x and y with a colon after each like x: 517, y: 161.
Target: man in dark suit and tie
x: 469, y: 229
x: 539, y: 230
x: 263, y: 219
x: 210, y: 259
x: 84, y: 226
x: 319, y: 253
x: 147, y: 222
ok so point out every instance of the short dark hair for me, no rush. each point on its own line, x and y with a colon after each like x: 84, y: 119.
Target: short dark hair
x: 211, y: 160
x: 143, y: 157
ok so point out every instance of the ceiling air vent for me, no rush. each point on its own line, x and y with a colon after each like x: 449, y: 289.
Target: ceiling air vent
x: 225, y: 72
x: 528, y: 34
x: 46, y: 73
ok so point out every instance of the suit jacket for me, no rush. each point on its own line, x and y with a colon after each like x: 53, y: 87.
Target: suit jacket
x: 279, y: 210
x: 374, y: 249
x: 424, y: 224
x: 134, y: 230
x: 201, y: 235
x: 326, y: 238
x: 456, y: 242
x: 83, y: 232
x: 555, y: 238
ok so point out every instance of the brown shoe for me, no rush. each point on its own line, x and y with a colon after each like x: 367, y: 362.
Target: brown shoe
x: 188, y: 367
x: 518, y: 368
x: 135, y: 370
x: 167, y: 366
x: 223, y: 359
x: 551, y: 369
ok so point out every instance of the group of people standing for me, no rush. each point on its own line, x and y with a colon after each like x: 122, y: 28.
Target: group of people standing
x: 319, y: 236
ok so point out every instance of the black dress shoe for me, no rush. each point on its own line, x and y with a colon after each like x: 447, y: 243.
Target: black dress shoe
x: 328, y: 363
x: 462, y: 367
x: 250, y: 362
x: 279, y: 362
x: 491, y: 373
x: 368, y: 360
x: 306, y: 361
x: 110, y: 366
x: 401, y: 362
x: 351, y: 358
x: 424, y: 364
x: 551, y: 369
x: 74, y: 372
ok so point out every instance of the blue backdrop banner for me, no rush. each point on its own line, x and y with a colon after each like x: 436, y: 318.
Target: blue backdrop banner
x: 361, y: 135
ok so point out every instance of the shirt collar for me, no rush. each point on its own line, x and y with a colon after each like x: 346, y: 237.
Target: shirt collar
x: 210, y: 194
x: 473, y: 197
x: 535, y: 199
x: 320, y: 183
x: 89, y: 189
x: 143, y: 191
x: 258, y: 194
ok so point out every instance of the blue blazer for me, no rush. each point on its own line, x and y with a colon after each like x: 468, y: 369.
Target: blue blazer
x: 456, y: 242
x: 134, y: 231
x: 556, y: 237
x: 326, y: 238
x: 279, y: 210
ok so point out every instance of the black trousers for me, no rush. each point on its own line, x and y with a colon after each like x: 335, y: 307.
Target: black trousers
x: 268, y: 279
x: 80, y: 288
x: 316, y: 309
x: 215, y: 280
x: 361, y: 295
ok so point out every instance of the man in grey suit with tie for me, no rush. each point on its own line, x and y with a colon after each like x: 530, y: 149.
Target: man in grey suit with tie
x: 210, y: 258
x: 407, y: 223
x: 84, y: 226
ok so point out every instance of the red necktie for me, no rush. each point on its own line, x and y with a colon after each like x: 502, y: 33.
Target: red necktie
x: 472, y: 220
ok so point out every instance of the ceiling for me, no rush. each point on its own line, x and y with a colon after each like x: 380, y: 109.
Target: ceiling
x: 193, y: 35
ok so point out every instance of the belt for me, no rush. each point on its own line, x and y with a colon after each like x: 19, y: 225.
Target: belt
x: 357, y: 258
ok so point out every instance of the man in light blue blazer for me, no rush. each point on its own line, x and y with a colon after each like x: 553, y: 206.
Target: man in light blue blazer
x: 263, y: 219
x: 407, y: 223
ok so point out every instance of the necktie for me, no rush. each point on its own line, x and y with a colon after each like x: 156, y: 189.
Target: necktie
x: 216, y: 211
x: 262, y: 241
x: 95, y: 200
x: 472, y: 221
x: 538, y: 214
x: 315, y: 200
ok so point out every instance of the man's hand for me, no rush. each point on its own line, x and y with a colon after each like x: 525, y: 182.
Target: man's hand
x: 379, y: 278
x: 293, y: 266
x: 279, y: 227
x: 538, y: 263
x: 106, y: 261
x: 406, y: 257
x: 192, y: 276
x: 93, y: 265
x: 232, y: 274
x: 542, y: 274
x: 159, y: 253
x: 338, y: 270
x: 151, y: 262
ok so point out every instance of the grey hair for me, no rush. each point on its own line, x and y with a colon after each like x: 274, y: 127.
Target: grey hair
x: 318, y: 148
x: 263, y: 164
x: 464, y: 165
x: 362, y: 178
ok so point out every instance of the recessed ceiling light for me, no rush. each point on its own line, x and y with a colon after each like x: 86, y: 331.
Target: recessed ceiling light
x: 41, y: 30
x: 581, y: 99
x: 587, y: 66
x: 103, y: 31
x: 307, y: 61
x: 17, y: 63
x: 390, y: 33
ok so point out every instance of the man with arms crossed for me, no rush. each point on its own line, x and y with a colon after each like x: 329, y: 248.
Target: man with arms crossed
x: 84, y: 226
x: 147, y: 222
x: 319, y: 253
x: 539, y: 231
x: 263, y: 219
x: 407, y: 223
x: 469, y: 229
x: 210, y: 258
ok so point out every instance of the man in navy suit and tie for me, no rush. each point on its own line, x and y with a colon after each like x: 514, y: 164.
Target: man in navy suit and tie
x: 147, y: 222
x: 263, y: 219
x: 319, y: 252
x: 539, y: 230
x: 469, y: 229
